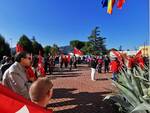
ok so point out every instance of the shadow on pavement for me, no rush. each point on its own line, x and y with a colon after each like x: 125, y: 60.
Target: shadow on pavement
x: 84, y: 102
x: 72, y: 74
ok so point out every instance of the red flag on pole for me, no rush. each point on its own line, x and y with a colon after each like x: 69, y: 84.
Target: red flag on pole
x: 11, y: 102
x: 138, y: 54
x: 119, y: 56
x: 139, y: 59
x: 77, y: 51
x: 19, y: 48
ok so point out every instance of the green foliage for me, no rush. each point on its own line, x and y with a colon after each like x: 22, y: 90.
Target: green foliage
x: 26, y: 43
x: 76, y: 43
x: 4, y: 47
x: 54, y: 50
x: 36, y: 47
x: 87, y: 49
x: 47, y: 50
x: 134, y: 88
x: 98, y: 42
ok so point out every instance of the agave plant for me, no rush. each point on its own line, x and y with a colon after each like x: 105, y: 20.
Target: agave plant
x: 134, y: 90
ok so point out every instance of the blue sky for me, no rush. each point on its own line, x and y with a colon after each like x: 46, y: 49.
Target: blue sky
x: 60, y: 21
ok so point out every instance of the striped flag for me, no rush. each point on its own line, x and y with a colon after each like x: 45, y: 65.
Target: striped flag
x: 110, y: 6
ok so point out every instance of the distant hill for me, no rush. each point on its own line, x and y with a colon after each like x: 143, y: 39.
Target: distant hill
x: 64, y: 49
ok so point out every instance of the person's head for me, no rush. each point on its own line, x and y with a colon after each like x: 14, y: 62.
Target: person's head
x: 23, y: 58
x: 8, y: 59
x: 41, y: 91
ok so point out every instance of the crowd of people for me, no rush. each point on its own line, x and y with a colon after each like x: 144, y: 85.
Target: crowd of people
x: 26, y: 74
x: 106, y: 64
x: 23, y: 77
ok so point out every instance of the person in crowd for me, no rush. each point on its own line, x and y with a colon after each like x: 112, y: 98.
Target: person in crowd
x: 75, y: 61
x: 106, y: 63
x: 15, y: 76
x: 5, y: 66
x: 66, y: 61
x: 61, y: 61
x: 51, y: 65
x: 70, y: 63
x: 99, y: 65
x: 41, y: 91
x: 114, y: 66
x: 3, y: 60
x: 32, y: 71
x: 46, y: 63
x: 93, y: 68
x: 56, y: 60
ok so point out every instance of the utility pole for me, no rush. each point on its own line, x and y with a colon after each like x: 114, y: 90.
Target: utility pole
x: 11, y: 46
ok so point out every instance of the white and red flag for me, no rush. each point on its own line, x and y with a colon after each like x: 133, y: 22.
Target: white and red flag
x: 77, y: 51
x: 11, y: 102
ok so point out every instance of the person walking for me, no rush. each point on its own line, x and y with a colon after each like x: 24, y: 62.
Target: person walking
x: 93, y: 68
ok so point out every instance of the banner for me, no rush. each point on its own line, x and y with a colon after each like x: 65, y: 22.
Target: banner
x: 11, y: 102
x: 77, y: 51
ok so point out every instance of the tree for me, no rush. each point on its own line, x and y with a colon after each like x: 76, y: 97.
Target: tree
x: 54, y: 50
x: 87, y: 49
x: 98, y: 42
x: 26, y: 43
x: 4, y: 47
x: 76, y: 43
x: 36, y: 46
x: 47, y: 50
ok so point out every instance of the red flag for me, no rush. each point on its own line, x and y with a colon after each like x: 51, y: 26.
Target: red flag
x: 139, y: 59
x: 11, y: 102
x: 138, y: 54
x: 30, y: 74
x: 119, y: 56
x: 77, y: 51
x: 140, y: 62
x: 19, y: 48
x: 130, y: 62
x: 120, y: 3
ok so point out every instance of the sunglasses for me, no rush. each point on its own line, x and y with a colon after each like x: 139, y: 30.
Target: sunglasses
x: 28, y: 58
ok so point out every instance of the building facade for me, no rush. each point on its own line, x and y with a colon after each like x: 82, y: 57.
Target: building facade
x: 145, y: 50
